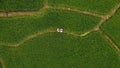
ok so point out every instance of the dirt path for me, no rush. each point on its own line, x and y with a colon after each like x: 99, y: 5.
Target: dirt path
x: 41, y: 33
x: 96, y: 28
x: 2, y: 63
x: 29, y: 37
x: 3, y: 14
x: 77, y: 10
x: 114, y: 45
x: 107, y: 17
x: 46, y: 6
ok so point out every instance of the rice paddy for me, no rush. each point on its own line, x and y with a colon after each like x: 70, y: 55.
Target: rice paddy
x: 59, y: 34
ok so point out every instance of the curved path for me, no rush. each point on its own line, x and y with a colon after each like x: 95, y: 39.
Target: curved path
x: 96, y: 28
x: 20, y: 13
x: 46, y: 6
x: 45, y: 32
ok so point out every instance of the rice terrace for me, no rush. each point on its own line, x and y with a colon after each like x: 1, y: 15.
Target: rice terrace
x: 59, y: 33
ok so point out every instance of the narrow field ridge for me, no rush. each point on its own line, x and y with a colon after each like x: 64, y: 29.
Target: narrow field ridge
x: 77, y: 10
x: 41, y: 33
x: 3, y: 14
x: 107, y: 17
x: 2, y: 63
x: 104, y: 19
x: 113, y: 44
x: 20, y: 13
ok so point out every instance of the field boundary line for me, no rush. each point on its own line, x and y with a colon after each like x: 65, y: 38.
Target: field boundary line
x: 77, y: 10
x: 96, y: 28
x: 45, y: 32
x: 46, y: 5
x: 82, y: 34
x: 107, y: 37
x: 28, y: 38
x: 108, y: 16
x: 3, y: 14
x: 2, y: 63
x: 111, y: 41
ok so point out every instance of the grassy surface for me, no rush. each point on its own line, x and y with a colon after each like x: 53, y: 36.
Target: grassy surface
x: 57, y: 50
x: 0, y: 66
x: 101, y: 6
x: 112, y: 27
x: 16, y: 5
x: 15, y: 28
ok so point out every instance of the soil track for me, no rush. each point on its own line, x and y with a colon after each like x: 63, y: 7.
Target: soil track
x: 46, y: 6
x: 96, y: 28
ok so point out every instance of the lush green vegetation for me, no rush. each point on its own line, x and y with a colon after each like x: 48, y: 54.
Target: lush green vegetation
x: 58, y: 50
x: 112, y: 28
x: 101, y: 6
x: 98, y: 6
x: 16, y: 28
x: 24, y: 5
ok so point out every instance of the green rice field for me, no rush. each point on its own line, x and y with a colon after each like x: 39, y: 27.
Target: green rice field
x: 54, y: 50
x: 22, y: 26
x: 59, y: 34
x: 20, y: 5
x: 98, y: 6
x: 113, y: 23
